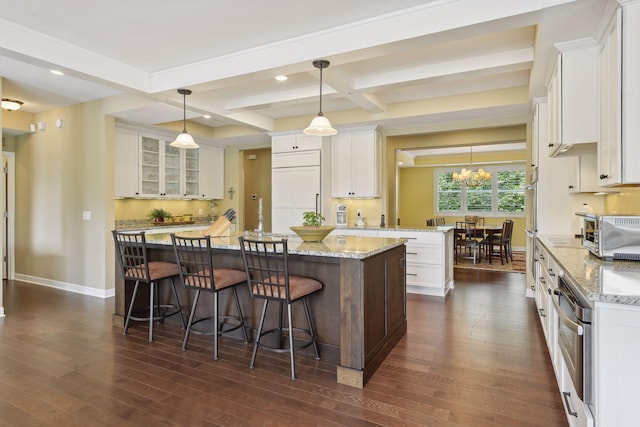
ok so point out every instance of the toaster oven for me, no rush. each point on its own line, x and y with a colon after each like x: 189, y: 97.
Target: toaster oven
x: 612, y: 236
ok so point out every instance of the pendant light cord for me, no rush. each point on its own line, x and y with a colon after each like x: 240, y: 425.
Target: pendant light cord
x: 320, y: 113
x: 184, y: 113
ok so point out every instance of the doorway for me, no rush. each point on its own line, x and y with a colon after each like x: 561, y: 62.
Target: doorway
x: 256, y: 167
x: 8, y: 215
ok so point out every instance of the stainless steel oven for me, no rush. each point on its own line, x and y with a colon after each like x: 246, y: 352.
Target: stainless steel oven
x: 574, y: 337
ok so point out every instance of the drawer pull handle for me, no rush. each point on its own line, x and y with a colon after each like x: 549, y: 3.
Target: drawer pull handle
x: 566, y: 396
x: 412, y: 253
x: 409, y: 238
x: 542, y: 312
x: 412, y: 274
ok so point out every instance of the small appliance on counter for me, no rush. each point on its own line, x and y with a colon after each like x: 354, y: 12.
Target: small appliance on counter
x: 611, y: 236
x: 341, y: 215
x: 360, y: 220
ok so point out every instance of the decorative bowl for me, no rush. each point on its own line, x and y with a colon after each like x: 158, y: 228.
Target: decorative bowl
x: 312, y: 234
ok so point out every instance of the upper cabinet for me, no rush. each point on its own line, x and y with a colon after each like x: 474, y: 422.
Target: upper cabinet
x: 126, y: 163
x: 619, y: 150
x: 295, y: 142
x: 356, y: 164
x: 538, y: 130
x: 572, y: 94
x: 147, y: 166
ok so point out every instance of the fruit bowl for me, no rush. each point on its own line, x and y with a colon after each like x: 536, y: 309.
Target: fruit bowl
x: 312, y: 233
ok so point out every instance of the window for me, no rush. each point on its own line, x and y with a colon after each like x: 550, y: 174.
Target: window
x: 504, y: 195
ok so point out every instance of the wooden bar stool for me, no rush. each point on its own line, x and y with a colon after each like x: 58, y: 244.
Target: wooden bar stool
x: 267, y: 271
x: 194, y: 256
x: 131, y: 251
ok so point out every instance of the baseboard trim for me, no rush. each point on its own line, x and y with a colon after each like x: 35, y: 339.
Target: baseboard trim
x: 69, y: 287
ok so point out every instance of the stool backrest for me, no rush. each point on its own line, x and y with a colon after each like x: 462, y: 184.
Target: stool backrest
x: 194, y: 256
x: 131, y: 251
x: 267, y: 268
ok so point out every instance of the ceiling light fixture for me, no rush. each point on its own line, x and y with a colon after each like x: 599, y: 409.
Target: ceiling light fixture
x: 320, y: 125
x: 184, y: 140
x: 11, y: 104
x: 281, y: 78
x: 467, y: 177
x: 56, y: 72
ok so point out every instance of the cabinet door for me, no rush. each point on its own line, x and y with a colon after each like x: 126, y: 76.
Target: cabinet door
x: 211, y: 172
x: 126, y: 153
x: 610, y: 114
x: 172, y: 171
x: 341, y: 166
x: 192, y: 173
x: 366, y: 162
x: 553, y: 95
x: 150, y: 166
x: 293, y: 192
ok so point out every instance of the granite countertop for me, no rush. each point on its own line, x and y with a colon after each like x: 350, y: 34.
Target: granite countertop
x: 436, y: 229
x: 331, y: 246
x: 597, y: 280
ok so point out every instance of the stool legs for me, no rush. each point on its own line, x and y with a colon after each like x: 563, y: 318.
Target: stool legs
x: 190, y: 322
x: 133, y: 299
x: 305, y: 303
x: 258, y: 333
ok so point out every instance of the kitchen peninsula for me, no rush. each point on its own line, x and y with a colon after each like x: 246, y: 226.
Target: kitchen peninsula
x: 359, y: 315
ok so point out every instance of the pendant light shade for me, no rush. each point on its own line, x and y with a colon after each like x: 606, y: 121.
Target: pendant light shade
x: 320, y: 125
x: 184, y: 140
x: 11, y: 104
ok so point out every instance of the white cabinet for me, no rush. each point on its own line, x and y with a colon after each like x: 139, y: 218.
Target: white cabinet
x: 356, y: 163
x: 429, y: 261
x: 538, y: 130
x: 616, y: 373
x: 126, y: 161
x: 583, y: 174
x: 618, y: 148
x: 295, y: 142
x: 161, y: 168
x: 294, y: 191
x: 211, y: 172
x: 572, y: 94
x: 578, y: 413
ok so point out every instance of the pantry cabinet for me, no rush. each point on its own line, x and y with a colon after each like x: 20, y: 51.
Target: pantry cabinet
x: 211, y: 172
x: 572, y: 94
x: 618, y: 148
x: 356, y: 162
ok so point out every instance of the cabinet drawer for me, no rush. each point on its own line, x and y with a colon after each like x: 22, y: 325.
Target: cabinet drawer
x: 424, y: 254
x: 424, y: 275
x: 578, y: 414
x: 413, y: 236
x: 302, y: 158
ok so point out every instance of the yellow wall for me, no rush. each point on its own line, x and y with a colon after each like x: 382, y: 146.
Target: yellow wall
x: 133, y: 209
x: 627, y: 202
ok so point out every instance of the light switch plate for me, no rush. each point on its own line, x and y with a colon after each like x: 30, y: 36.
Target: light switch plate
x: 86, y: 215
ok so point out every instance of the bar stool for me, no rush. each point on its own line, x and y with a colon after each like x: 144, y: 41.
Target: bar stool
x: 131, y: 251
x: 194, y: 256
x: 267, y: 271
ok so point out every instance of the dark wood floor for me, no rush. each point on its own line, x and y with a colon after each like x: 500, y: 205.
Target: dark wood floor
x: 478, y: 359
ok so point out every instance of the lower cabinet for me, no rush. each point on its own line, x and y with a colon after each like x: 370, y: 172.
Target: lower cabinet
x: 578, y: 414
x: 429, y: 257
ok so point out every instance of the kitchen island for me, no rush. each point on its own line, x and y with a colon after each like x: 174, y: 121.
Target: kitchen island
x: 429, y: 255
x: 359, y: 315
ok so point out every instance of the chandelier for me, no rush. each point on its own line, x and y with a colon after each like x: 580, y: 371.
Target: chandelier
x: 469, y: 177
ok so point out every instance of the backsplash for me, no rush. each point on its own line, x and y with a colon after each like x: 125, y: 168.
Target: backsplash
x: 627, y: 202
x: 133, y: 213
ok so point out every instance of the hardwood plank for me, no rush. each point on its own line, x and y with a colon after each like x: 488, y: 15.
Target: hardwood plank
x: 478, y: 358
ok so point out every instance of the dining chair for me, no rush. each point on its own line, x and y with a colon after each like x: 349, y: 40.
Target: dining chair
x: 468, y: 244
x: 431, y: 222
x: 195, y: 259
x: 131, y: 252
x: 267, y: 271
x: 498, y: 245
x: 439, y: 220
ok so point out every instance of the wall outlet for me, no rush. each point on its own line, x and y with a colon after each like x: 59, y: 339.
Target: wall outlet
x: 86, y: 215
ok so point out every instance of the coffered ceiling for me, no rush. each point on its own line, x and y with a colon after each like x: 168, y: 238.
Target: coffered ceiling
x: 407, y: 65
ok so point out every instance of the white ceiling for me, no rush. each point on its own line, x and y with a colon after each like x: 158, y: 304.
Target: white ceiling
x: 386, y: 56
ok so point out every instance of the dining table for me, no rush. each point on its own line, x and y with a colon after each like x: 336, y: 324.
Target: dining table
x: 488, y: 230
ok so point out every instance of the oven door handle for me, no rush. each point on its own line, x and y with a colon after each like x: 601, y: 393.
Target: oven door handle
x: 575, y: 327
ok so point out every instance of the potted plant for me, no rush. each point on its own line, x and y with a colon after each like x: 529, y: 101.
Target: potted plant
x: 158, y: 215
x: 312, y: 229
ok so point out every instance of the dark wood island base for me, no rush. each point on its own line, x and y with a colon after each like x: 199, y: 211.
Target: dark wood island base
x: 360, y: 314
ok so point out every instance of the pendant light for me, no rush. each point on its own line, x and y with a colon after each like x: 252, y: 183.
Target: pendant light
x: 11, y: 104
x: 320, y: 125
x: 184, y: 140
x: 467, y: 177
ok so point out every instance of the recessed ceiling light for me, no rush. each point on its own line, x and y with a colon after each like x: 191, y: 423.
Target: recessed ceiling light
x: 57, y: 72
x: 206, y: 116
x: 281, y: 78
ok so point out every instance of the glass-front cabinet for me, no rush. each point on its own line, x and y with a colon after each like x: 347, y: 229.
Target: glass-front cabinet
x: 167, y: 171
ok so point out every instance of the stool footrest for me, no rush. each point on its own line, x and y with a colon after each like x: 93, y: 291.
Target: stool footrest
x: 284, y: 333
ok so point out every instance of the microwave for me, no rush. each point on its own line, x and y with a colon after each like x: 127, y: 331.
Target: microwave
x: 611, y: 236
